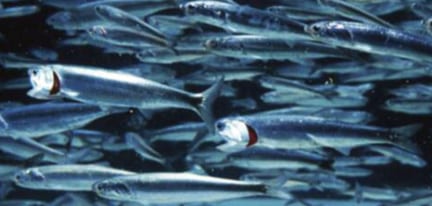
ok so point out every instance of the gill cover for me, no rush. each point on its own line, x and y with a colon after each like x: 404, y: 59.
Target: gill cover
x: 45, y: 82
x: 237, y: 133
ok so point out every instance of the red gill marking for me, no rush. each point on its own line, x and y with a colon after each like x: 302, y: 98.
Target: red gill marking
x: 253, y: 137
x: 56, y: 85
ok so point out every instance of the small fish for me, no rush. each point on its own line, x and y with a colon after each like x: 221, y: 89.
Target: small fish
x: 119, y: 89
x: 265, y: 48
x: 65, y: 177
x: 85, y: 17
x: 153, y: 188
x: 124, y: 19
x: 136, y: 142
x: 125, y: 37
x: 419, y: 106
x: 373, y: 39
x: 261, y: 158
x: 301, y: 132
x: 400, y: 155
x: 170, y: 55
x: 18, y: 11
x: 350, y: 11
x: 41, y: 119
x: 243, y: 19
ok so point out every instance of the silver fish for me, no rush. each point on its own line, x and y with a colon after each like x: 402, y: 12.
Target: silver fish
x: 243, y: 19
x: 373, y: 39
x: 37, y: 120
x: 18, y: 11
x: 65, y: 177
x: 124, y: 19
x: 119, y: 89
x: 153, y: 188
x: 297, y: 132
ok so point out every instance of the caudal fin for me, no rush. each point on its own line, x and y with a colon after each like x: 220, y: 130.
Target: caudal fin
x: 204, y: 108
x: 402, y: 137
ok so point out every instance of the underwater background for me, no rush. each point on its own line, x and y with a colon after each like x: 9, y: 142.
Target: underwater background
x: 28, y: 41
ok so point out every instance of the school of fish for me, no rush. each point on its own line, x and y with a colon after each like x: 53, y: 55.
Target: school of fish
x: 218, y: 102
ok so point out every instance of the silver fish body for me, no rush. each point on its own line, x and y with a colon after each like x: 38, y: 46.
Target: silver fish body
x: 65, y: 177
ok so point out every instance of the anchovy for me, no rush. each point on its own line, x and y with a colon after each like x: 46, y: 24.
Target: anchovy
x: 84, y: 16
x: 264, y: 48
x: 170, y: 56
x: 400, y: 155
x: 65, y: 177
x: 350, y: 11
x: 136, y: 142
x: 124, y: 19
x: 301, y: 132
x: 373, y: 39
x: 111, y: 88
x: 243, y: 19
x: 37, y: 120
x: 126, y: 37
x: 18, y: 11
x: 154, y: 188
x: 261, y: 158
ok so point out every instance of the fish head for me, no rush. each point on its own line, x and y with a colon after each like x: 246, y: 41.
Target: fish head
x: 213, y: 9
x: 112, y: 189
x: 61, y: 20
x: 236, y: 132
x: 29, y: 177
x: 97, y: 31
x: 211, y: 44
x: 329, y: 30
x: 45, y: 82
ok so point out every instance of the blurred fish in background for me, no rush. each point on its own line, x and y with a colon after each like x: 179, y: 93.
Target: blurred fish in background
x: 220, y: 102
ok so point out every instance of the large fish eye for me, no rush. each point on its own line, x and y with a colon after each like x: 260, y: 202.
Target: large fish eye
x: 314, y: 28
x: 220, y: 126
x: 210, y: 43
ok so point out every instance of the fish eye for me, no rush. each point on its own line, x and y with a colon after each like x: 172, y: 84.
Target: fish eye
x: 189, y: 7
x: 19, y: 177
x: 220, y: 126
x: 211, y: 44
x: 34, y: 72
x: 314, y: 28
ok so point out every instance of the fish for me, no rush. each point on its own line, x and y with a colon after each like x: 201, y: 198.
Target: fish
x: 265, y: 48
x: 69, y: 177
x: 41, y: 119
x: 124, y: 19
x: 350, y: 11
x: 400, y: 155
x: 420, y: 106
x: 153, y: 188
x: 126, y: 37
x: 139, y: 145
x: 243, y: 19
x: 303, y: 132
x: 373, y: 39
x: 84, y: 16
x: 160, y: 55
x: 18, y: 11
x: 261, y: 158
x: 119, y: 90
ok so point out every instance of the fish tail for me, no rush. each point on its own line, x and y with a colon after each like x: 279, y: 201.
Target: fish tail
x: 207, y: 98
x: 402, y: 137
